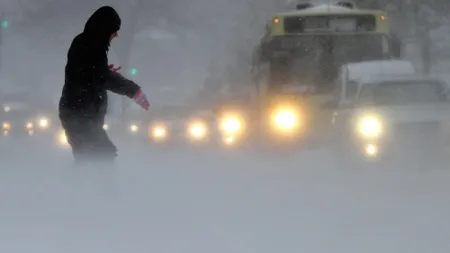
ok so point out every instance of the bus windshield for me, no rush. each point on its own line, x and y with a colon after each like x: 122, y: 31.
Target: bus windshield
x: 316, y: 59
x: 342, y: 48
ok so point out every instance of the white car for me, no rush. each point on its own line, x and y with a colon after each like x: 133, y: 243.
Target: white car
x: 352, y: 73
x: 393, y: 116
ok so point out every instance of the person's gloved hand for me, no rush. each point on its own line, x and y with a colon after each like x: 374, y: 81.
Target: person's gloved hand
x: 141, y: 100
x: 113, y: 69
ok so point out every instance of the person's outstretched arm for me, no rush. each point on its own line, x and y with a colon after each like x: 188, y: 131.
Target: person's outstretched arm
x: 120, y: 85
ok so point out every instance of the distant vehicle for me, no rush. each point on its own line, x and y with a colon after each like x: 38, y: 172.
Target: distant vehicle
x: 297, y: 62
x: 351, y: 74
x: 167, y: 126
x: 17, y: 119
x: 393, y: 116
x: 307, y: 46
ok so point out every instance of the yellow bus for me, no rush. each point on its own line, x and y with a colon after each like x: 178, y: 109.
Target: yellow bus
x: 308, y: 45
x: 299, y: 57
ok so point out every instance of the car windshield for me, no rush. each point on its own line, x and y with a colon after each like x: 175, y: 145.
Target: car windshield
x: 404, y: 92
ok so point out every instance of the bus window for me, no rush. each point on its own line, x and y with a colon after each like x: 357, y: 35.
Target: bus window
x: 349, y: 48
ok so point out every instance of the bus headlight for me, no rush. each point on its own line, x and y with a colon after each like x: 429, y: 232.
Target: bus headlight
x: 159, y: 132
x: 44, y: 123
x: 197, y: 130
x: 286, y: 120
x: 370, y: 127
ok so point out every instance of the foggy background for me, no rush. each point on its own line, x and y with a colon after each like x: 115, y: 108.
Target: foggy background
x: 173, y: 44
x: 183, y: 50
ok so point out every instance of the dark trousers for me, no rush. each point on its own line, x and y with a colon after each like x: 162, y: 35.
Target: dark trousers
x: 88, y: 139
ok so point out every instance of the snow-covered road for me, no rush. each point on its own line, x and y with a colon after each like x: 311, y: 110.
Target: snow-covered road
x: 215, y: 201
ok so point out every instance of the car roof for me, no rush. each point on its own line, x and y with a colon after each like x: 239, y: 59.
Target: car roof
x: 397, y: 78
x: 361, y: 70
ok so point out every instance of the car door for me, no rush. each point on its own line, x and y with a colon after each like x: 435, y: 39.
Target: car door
x: 344, y: 112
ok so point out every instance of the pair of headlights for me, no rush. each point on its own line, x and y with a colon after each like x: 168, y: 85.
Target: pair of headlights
x: 7, y: 127
x: 231, y: 126
x: 196, y: 130
x: 285, y: 119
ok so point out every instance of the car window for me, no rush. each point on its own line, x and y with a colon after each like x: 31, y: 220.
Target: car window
x: 403, y: 92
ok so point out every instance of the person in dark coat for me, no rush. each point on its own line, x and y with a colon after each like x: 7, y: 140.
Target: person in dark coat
x: 88, y: 77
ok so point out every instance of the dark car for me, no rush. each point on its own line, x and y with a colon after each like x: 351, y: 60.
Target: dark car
x: 18, y: 119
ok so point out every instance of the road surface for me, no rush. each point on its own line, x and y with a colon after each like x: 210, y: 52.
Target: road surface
x: 207, y: 201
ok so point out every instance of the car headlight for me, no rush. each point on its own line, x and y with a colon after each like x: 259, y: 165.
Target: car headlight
x: 44, y: 123
x: 62, y: 139
x: 229, y: 140
x: 134, y: 128
x: 29, y: 126
x: 7, y: 126
x: 159, y: 132
x: 106, y: 127
x: 370, y: 127
x: 197, y: 130
x: 371, y: 150
x: 231, y: 125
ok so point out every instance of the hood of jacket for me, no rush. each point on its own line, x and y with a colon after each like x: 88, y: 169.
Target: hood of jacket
x: 101, y: 25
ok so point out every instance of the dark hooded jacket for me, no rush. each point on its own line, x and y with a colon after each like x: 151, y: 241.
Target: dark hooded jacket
x: 87, y: 75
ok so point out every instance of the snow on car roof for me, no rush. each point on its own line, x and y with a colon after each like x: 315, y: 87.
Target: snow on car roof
x: 362, y: 70
x: 398, y: 78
